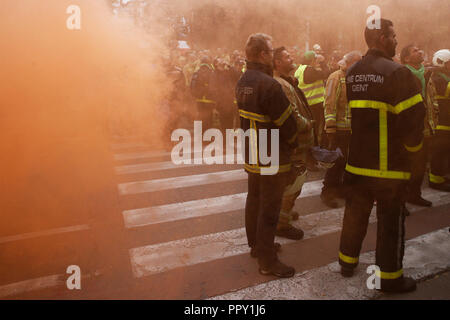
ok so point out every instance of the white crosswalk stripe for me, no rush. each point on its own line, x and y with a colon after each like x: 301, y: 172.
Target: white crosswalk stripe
x: 166, y: 165
x: 156, y: 258
x: 196, y: 208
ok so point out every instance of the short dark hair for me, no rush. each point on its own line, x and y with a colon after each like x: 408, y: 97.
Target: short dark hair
x: 256, y: 44
x: 372, y: 35
x: 406, y: 51
x: 277, y: 54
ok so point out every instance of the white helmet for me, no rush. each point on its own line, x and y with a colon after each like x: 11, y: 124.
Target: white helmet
x: 317, y: 47
x: 441, y: 57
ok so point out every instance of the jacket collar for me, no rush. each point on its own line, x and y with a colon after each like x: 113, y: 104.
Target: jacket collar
x: 260, y: 67
x: 377, y: 52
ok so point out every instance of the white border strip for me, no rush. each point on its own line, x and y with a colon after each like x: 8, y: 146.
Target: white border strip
x: 32, y: 285
x: 181, y: 182
x: 49, y: 232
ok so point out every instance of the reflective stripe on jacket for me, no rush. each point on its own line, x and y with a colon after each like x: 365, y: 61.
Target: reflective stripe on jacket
x: 262, y: 104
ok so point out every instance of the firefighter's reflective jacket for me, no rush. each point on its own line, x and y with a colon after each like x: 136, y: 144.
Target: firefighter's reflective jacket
x: 438, y: 91
x: 263, y: 105
x: 305, y: 131
x: 387, y: 117
x: 337, y: 111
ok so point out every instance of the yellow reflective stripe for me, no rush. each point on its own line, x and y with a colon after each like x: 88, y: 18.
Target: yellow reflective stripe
x: 253, y: 142
x: 312, y: 86
x: 257, y: 169
x: 299, y: 74
x: 252, y: 168
x: 347, y: 259
x: 436, y: 179
x: 440, y: 127
x: 400, y: 175
x: 442, y: 98
x: 279, y: 122
x: 408, y: 103
x: 383, y: 141
x: 372, y: 104
x: 253, y: 116
x: 414, y: 149
x: 314, y: 97
x: 204, y: 100
x: 389, y: 275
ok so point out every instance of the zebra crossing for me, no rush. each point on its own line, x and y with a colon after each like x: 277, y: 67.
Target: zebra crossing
x: 152, y: 259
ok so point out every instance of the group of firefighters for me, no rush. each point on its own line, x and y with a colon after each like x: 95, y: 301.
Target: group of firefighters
x: 376, y: 124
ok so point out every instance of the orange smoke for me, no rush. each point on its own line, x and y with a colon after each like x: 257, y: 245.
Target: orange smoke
x: 63, y: 94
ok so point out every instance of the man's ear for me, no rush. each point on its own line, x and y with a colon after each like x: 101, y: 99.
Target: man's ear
x: 382, y: 40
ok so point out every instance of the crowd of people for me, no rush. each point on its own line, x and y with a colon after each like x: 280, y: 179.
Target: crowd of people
x: 376, y: 121
x: 204, y: 82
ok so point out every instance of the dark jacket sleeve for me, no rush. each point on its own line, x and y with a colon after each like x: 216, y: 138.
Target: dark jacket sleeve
x: 312, y: 75
x: 409, y: 100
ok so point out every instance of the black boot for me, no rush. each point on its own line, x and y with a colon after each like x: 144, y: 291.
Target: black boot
x: 277, y: 269
x: 329, y: 199
x: 419, y: 201
x: 347, y: 272
x: 400, y: 285
x: 289, y: 232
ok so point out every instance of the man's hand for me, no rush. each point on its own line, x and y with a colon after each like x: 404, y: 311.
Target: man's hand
x: 332, y: 143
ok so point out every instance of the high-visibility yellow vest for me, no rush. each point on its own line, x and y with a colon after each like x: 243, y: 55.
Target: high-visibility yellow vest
x: 314, y: 92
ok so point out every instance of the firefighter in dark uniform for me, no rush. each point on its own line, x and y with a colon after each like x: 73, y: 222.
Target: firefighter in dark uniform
x: 439, y: 92
x: 387, y: 131
x: 263, y: 105
x: 203, y: 91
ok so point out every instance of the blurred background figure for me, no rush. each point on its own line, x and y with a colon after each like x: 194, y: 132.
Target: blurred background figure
x: 439, y: 93
x: 311, y: 75
x: 203, y: 90
x: 412, y: 57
